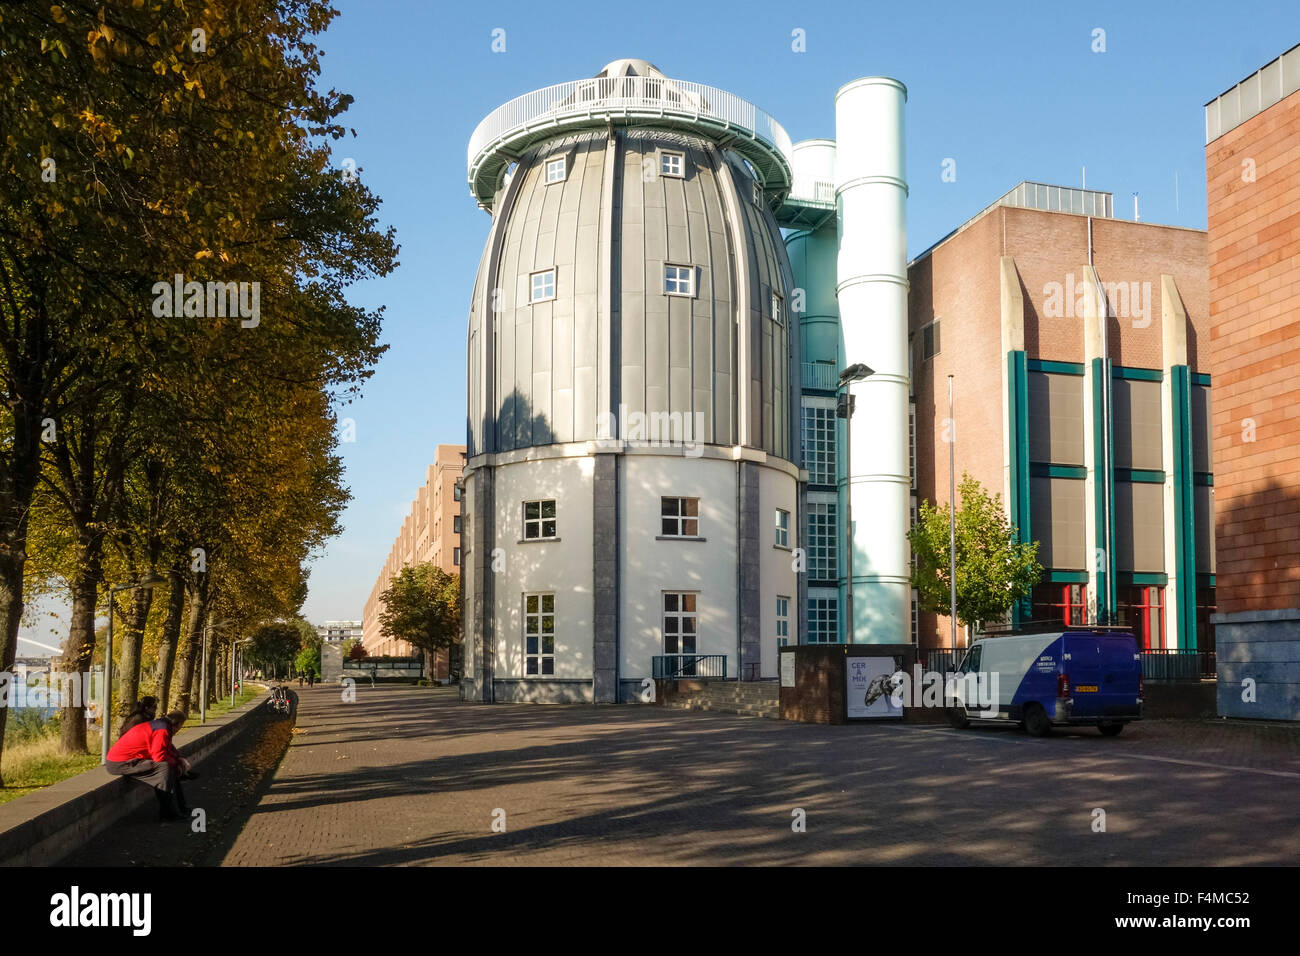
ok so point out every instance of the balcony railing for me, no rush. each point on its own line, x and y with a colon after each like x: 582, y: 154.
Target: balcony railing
x: 820, y: 375
x: 689, y: 666
x: 622, y: 97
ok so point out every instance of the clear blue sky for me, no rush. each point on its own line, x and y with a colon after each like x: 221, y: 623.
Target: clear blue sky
x: 1012, y: 91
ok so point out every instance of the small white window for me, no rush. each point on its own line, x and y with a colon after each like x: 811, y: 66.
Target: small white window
x: 782, y: 528
x: 680, y: 517
x: 543, y: 287
x: 555, y: 170
x: 777, y: 315
x: 758, y: 194
x: 672, y: 164
x: 539, y: 519
x: 782, y: 621
x: 679, y: 280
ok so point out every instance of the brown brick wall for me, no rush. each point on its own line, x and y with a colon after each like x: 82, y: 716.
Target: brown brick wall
x: 960, y: 283
x: 1254, y: 257
x: 427, y: 534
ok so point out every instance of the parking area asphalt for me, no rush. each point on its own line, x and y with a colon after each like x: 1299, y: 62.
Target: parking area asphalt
x: 411, y: 776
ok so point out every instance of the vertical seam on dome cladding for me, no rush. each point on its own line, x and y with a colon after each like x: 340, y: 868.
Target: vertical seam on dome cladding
x: 610, y: 324
x: 741, y: 386
x: 489, y: 345
x: 691, y: 182
x: 709, y: 432
x: 571, y: 433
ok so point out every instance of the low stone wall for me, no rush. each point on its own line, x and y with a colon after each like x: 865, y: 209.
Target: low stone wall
x: 1262, y: 647
x: 1165, y: 699
x: 43, y: 827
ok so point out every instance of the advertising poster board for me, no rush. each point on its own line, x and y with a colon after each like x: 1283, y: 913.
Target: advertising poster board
x: 868, y: 687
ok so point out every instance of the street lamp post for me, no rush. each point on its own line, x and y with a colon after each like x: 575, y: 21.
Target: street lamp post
x: 234, y: 666
x: 203, y: 679
x: 952, y: 520
x: 148, y: 582
x: 854, y: 373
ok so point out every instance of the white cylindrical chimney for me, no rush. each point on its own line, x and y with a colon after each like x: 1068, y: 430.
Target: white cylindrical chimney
x: 871, y: 191
x: 812, y: 168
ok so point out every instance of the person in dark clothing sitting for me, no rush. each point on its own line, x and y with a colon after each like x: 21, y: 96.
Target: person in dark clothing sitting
x: 145, y: 711
x: 145, y: 753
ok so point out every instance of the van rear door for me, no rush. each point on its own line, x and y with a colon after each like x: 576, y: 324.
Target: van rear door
x: 1120, y: 670
x: 1082, y: 664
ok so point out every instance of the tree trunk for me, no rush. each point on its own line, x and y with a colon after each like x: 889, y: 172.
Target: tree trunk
x: 80, y: 649
x: 11, y: 612
x: 132, y: 642
x: 171, y: 633
x: 18, y: 477
x: 189, y: 652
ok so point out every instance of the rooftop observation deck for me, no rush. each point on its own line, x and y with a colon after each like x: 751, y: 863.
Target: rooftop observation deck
x: 731, y: 122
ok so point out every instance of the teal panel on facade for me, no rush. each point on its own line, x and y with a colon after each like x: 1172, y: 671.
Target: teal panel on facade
x: 1138, y: 374
x: 1184, y: 507
x: 1060, y: 368
x: 1018, y: 443
x: 1104, y: 492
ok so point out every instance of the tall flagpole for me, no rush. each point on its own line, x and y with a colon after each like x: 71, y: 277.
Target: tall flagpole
x: 952, y: 517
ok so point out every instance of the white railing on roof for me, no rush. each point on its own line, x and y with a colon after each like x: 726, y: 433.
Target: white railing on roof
x: 626, y: 94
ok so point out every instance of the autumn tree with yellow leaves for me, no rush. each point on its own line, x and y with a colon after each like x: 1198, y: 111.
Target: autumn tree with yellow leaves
x: 141, y: 141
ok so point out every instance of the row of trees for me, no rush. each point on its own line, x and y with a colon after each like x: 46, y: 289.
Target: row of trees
x: 146, y: 148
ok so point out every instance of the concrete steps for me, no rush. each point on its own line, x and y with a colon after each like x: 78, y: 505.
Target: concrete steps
x: 749, y: 699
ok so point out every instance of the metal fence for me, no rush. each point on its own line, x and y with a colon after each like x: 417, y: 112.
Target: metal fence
x: 693, y: 666
x: 404, y: 664
x: 943, y: 659
x: 1178, y: 664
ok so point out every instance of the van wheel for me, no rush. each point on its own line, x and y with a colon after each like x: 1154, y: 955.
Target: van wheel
x: 957, y: 717
x: 1036, y: 722
x: 1111, y: 730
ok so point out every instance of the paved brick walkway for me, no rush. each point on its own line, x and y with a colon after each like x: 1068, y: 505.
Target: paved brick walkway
x: 411, y: 776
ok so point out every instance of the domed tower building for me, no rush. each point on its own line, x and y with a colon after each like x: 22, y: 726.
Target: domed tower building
x: 632, y: 488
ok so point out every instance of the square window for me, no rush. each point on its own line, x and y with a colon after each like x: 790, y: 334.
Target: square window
x: 539, y: 520
x: 672, y: 164
x: 555, y: 170
x: 543, y: 286
x: 679, y: 280
x: 680, y: 517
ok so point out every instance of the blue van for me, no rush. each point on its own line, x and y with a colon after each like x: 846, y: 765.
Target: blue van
x: 1068, y: 678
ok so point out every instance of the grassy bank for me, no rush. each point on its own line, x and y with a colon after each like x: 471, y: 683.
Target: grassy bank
x: 29, y: 764
x: 32, y: 759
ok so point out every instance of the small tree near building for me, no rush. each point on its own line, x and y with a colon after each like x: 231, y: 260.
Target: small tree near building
x: 994, y: 569
x: 422, y: 607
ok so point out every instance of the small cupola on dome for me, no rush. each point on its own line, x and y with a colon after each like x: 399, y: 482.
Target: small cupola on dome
x: 629, y: 68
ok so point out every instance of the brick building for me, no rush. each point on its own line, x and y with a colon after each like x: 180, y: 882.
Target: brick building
x: 1252, y: 159
x: 431, y: 533
x: 1095, y: 434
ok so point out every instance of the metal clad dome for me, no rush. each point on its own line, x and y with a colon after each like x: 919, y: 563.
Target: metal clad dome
x: 611, y: 340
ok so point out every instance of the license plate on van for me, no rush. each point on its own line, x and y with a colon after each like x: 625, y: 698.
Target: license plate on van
x: 1085, y: 689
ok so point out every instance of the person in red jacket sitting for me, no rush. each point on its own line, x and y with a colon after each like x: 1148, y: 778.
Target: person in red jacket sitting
x: 146, y: 753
